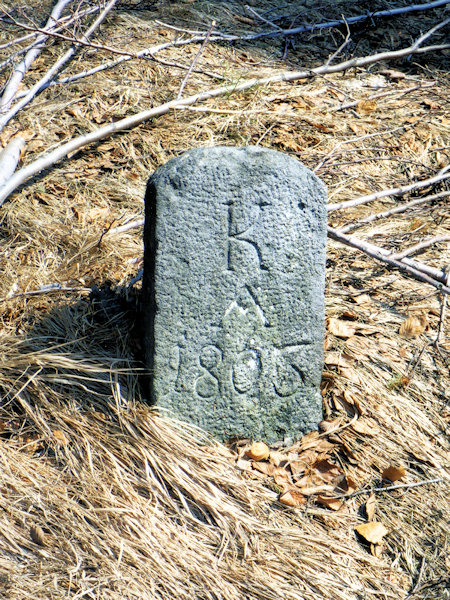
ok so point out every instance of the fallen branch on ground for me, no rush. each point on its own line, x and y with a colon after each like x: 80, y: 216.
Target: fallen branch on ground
x: 9, y: 157
x: 393, y: 211
x: 412, y: 268
x: 62, y: 60
x: 399, y: 191
x: 336, y: 23
x: 20, y: 70
x: 420, y: 246
x: 389, y: 488
x: 77, y: 143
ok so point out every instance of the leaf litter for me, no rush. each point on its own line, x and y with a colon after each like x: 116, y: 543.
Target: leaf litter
x: 102, y: 497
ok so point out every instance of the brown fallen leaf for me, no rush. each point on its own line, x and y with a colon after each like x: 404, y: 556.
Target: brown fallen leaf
x: 413, y: 326
x: 330, y: 426
x: 292, y: 498
x: 281, y: 476
x: 327, y: 470
x: 346, y: 485
x: 362, y: 299
x: 373, y: 531
x: 342, y: 329
x: 393, y: 74
x: 333, y: 503
x: 258, y: 451
x: 366, y: 427
x: 277, y: 458
x: 371, y: 506
x: 365, y: 107
x: 337, y: 359
x: 60, y: 437
x: 37, y: 535
x: 393, y: 473
x: 264, y: 467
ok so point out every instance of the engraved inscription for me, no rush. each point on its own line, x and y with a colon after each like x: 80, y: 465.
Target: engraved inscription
x: 207, y: 385
x: 246, y: 371
x: 240, y: 245
x: 245, y: 353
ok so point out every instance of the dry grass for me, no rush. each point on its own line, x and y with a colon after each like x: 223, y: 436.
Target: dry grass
x: 131, y: 504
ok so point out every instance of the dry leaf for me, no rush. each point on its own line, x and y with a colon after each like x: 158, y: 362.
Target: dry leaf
x: 376, y: 550
x: 276, y: 458
x: 258, y: 451
x: 37, y: 535
x: 371, y: 506
x: 333, y: 503
x: 264, y: 467
x: 312, y: 490
x: 365, y: 107
x: 393, y: 473
x: 337, y: 359
x: 60, y: 437
x: 342, y: 329
x: 244, y: 464
x: 366, y: 427
x: 309, y: 440
x: 281, y: 476
x: 362, y: 299
x: 413, y: 326
x: 350, y: 374
x: 292, y: 498
x: 393, y: 74
x: 99, y: 214
x: 373, y: 532
x: 328, y: 471
x: 346, y: 485
x: 330, y: 426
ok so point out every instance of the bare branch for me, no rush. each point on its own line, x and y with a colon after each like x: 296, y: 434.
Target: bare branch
x: 388, y: 488
x: 380, y: 254
x: 339, y: 22
x: 9, y: 157
x: 420, y: 246
x: 54, y: 69
x: 393, y: 211
x: 31, y: 55
x: 103, y: 132
x: 419, y: 86
x: 399, y: 191
x: 63, y: 22
x: 196, y: 57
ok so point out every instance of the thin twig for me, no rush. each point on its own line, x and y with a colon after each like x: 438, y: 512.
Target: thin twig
x: 194, y: 62
x: 32, y: 54
x: 380, y: 255
x: 147, y: 53
x: 46, y: 290
x: 333, y: 151
x: 393, y: 211
x: 63, y: 23
x: 389, y: 488
x: 399, y: 191
x: 420, y: 246
x: 338, y: 22
x: 62, y: 60
x: 101, y: 133
x: 419, y: 86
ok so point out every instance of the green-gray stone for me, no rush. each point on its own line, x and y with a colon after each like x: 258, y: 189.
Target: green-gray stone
x: 233, y: 292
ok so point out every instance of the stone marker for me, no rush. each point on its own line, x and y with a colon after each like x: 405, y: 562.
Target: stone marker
x: 233, y: 292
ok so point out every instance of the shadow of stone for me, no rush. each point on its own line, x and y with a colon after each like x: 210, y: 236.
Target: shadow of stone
x: 102, y: 330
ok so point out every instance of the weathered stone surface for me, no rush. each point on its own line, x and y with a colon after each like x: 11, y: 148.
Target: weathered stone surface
x: 233, y: 291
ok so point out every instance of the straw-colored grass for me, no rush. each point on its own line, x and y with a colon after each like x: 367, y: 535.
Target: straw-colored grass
x: 103, y: 498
